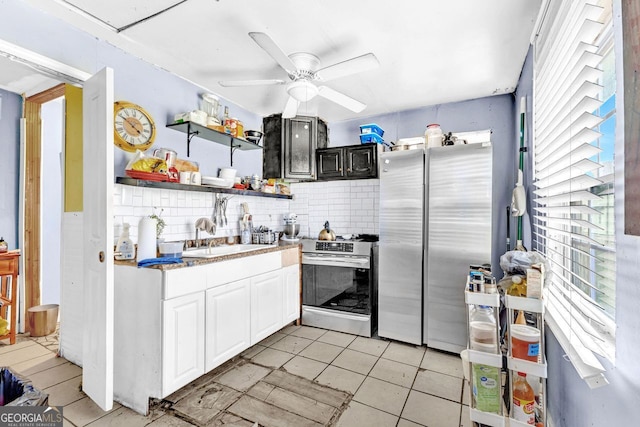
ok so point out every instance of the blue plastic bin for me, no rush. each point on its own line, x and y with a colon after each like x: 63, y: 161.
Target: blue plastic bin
x: 371, y: 128
x: 366, y: 138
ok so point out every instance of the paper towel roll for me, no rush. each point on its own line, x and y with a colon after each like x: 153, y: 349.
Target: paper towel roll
x: 146, y: 238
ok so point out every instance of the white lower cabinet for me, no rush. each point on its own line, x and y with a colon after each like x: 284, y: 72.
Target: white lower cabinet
x: 175, y: 325
x: 183, y: 340
x: 291, y: 281
x: 228, y: 323
x: 266, y: 305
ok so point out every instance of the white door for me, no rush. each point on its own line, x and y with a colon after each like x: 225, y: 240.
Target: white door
x: 291, y: 279
x: 183, y: 341
x: 228, y: 322
x: 266, y: 305
x: 97, y: 348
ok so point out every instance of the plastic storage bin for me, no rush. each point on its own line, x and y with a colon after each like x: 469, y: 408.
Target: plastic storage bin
x: 366, y: 138
x: 371, y: 128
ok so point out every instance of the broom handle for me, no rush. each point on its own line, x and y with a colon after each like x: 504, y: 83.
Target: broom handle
x: 523, y: 106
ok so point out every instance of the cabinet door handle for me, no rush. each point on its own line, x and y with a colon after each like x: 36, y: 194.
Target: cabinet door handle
x: 348, y: 169
x: 339, y: 169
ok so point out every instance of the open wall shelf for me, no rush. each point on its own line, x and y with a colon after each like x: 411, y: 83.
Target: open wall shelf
x: 194, y: 129
x: 202, y: 188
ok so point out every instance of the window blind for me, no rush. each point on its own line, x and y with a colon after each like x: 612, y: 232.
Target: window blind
x: 571, y: 194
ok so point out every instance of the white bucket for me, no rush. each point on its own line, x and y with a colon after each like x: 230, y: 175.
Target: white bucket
x: 464, y: 355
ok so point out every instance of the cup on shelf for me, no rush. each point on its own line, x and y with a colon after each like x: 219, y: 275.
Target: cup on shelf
x: 196, y: 178
x: 185, y: 177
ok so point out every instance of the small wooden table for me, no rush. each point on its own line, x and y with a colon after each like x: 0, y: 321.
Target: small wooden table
x: 9, y: 290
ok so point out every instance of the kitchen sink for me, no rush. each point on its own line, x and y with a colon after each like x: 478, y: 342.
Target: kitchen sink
x: 215, y: 251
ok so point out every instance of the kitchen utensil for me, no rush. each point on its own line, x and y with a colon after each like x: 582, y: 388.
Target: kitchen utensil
x: 211, y: 105
x: 326, y: 233
x: 216, y: 182
x: 256, y: 183
x: 169, y: 156
x: 227, y: 173
x: 291, y: 232
x: 253, y: 136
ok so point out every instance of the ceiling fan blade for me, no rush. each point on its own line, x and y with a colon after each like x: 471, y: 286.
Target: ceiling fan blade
x: 266, y: 43
x: 291, y: 109
x: 341, y: 99
x: 365, y: 62
x: 232, y: 83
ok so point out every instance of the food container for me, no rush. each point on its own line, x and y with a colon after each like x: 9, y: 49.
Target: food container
x: 231, y: 126
x: 171, y: 249
x: 525, y: 342
x: 483, y: 336
x: 371, y: 128
x: 414, y: 143
x: 196, y: 116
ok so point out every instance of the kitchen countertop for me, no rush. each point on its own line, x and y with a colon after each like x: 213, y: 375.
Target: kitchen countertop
x: 189, y: 262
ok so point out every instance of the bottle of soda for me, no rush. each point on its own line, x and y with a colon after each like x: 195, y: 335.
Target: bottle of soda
x: 524, y: 400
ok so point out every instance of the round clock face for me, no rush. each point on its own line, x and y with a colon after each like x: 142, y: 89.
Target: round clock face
x: 134, y: 128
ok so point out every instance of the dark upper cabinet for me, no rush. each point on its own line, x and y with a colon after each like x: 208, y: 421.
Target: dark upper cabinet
x: 290, y: 146
x: 350, y: 162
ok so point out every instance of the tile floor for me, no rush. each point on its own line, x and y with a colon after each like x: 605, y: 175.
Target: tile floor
x: 386, y: 383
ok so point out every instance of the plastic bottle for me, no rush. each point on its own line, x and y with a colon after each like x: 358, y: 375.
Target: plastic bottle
x: 518, y: 287
x: 245, y: 236
x: 524, y: 400
x: 124, y: 247
x: 482, y: 324
x: 433, y: 135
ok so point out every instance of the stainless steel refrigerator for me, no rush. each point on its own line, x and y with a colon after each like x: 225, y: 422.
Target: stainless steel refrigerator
x: 401, y: 245
x: 435, y: 220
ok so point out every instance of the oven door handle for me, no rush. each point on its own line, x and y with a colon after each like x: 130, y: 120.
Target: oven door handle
x: 335, y: 261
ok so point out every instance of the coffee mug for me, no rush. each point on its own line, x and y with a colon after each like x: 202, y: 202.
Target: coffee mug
x: 185, y: 177
x: 196, y: 178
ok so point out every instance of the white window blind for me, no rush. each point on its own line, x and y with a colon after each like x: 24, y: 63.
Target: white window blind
x: 573, y: 178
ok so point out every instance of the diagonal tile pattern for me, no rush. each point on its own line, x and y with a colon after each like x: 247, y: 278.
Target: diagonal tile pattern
x: 299, y: 376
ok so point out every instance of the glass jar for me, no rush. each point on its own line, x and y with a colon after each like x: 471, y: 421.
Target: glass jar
x: 433, y: 136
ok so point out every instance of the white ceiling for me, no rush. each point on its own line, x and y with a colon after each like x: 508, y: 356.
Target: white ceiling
x: 18, y: 78
x: 430, y: 51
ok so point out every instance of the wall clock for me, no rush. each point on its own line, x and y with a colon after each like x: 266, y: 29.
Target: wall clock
x: 134, y: 128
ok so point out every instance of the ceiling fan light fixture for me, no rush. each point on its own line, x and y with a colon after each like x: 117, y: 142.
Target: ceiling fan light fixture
x: 302, y: 90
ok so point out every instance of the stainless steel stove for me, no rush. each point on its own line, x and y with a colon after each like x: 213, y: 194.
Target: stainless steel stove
x: 340, y: 284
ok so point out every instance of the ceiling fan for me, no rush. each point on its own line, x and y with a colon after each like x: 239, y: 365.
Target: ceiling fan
x: 304, y: 70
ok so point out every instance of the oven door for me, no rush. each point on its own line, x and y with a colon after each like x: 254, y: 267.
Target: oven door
x: 337, y: 282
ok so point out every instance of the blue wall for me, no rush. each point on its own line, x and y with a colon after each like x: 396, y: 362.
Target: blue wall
x: 496, y: 113
x: 10, y: 113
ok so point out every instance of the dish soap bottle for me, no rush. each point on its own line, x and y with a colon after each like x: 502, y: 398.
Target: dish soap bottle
x: 124, y: 247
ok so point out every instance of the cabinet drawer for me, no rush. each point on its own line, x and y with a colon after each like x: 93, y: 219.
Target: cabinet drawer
x: 184, y: 281
x: 242, y: 268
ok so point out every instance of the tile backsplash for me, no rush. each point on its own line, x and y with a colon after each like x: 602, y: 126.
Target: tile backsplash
x: 349, y: 206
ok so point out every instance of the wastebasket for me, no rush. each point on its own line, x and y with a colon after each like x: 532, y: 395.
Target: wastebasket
x: 42, y: 319
x: 16, y: 390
